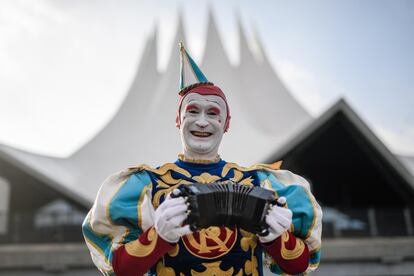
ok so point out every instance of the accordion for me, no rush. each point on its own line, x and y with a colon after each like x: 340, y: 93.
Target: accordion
x: 227, y: 204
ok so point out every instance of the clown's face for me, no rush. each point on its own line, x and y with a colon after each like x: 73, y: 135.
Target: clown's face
x: 202, y: 125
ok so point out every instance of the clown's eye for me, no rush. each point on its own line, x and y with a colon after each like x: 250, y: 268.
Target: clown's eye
x: 192, y: 109
x: 213, y: 111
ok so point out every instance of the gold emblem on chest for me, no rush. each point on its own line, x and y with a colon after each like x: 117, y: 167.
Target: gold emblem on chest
x: 210, y: 243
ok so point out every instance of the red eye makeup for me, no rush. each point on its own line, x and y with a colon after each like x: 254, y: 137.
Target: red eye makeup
x: 191, y: 107
x: 215, y: 110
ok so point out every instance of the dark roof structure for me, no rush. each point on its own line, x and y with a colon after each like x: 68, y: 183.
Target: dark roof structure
x: 348, y: 165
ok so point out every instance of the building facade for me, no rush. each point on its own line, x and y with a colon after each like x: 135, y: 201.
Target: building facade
x: 366, y: 192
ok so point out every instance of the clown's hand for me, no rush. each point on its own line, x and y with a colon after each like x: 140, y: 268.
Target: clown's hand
x: 279, y: 220
x: 169, y: 218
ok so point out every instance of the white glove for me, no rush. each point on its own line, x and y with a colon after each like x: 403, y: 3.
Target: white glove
x: 279, y: 220
x: 169, y: 218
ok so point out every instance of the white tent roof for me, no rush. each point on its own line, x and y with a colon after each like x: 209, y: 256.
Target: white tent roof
x: 264, y: 117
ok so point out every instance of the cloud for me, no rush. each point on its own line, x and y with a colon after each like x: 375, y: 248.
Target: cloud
x: 23, y: 24
x: 314, y: 93
x: 30, y: 17
x: 399, y: 141
x: 317, y: 94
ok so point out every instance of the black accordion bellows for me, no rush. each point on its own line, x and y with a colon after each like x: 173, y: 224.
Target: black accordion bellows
x: 228, y: 204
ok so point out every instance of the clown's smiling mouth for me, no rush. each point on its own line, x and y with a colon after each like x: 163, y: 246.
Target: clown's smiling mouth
x: 201, y: 134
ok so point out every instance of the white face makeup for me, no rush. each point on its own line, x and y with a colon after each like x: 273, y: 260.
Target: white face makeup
x: 202, y: 125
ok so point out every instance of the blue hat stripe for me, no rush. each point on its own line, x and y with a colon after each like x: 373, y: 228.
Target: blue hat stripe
x: 188, y: 64
x: 200, y: 76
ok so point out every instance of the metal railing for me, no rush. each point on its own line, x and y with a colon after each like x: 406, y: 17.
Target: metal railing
x: 30, y: 227
x: 52, y: 227
x: 367, y: 222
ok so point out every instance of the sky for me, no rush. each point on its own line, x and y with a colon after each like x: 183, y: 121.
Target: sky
x: 66, y: 65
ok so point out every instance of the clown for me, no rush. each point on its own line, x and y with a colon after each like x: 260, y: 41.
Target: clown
x: 136, y: 227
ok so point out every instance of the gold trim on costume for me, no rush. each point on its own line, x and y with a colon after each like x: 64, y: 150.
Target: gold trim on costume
x: 249, y: 240
x: 199, y: 161
x: 228, y: 166
x: 97, y: 233
x: 169, y: 167
x: 137, y: 249
x: 211, y: 233
x: 162, y: 184
x: 238, y: 175
x: 140, y: 167
x: 108, y: 204
x: 139, y: 207
x: 247, y: 234
x: 250, y: 267
x: 247, y: 181
x: 157, y: 196
x: 94, y: 245
x: 105, y: 259
x: 291, y: 254
x: 161, y: 170
x: 240, y: 273
x: 274, y: 166
x: 246, y: 243
x: 314, y: 250
x: 108, y: 215
x: 314, y: 214
x: 206, y: 178
x: 268, y: 185
x: 167, y: 178
x: 164, y: 270
x: 174, y: 252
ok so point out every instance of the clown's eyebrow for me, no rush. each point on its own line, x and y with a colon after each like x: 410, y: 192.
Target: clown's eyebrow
x: 191, y: 106
x: 215, y: 109
x: 219, y: 104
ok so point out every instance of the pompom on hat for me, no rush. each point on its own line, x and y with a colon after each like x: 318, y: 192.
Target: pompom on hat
x: 196, y: 82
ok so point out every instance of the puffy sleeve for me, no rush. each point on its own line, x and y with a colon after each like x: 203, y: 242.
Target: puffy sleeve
x: 121, y: 212
x: 307, y: 214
